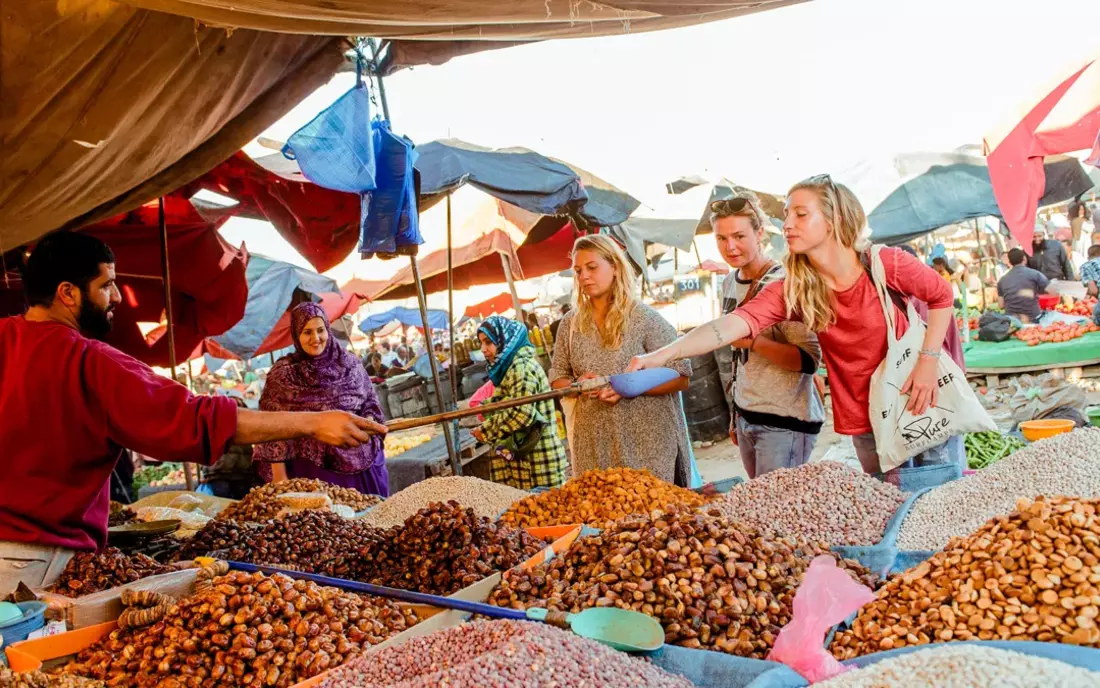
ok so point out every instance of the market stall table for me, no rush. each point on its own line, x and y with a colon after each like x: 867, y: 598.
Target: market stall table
x: 1075, y: 359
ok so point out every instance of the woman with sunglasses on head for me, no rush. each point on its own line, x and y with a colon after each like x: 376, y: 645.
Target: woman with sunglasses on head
x: 606, y: 327
x: 829, y: 290
x: 777, y: 412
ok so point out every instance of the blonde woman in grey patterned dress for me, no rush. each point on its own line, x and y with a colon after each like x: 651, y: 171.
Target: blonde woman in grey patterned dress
x: 609, y: 326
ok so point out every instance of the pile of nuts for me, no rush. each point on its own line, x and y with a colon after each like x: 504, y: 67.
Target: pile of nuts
x: 485, y: 498
x: 37, y: 679
x: 713, y: 583
x: 89, y: 572
x: 1030, y: 575
x: 1066, y: 464
x: 442, y: 549
x: 598, y: 498
x: 970, y: 666
x: 501, y: 653
x: 262, y: 504
x: 214, y: 536
x: 312, y: 541
x: 817, y: 502
x: 247, y: 630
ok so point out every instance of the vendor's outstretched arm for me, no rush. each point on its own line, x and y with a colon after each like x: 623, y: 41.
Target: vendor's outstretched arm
x: 702, y: 339
x: 338, y: 428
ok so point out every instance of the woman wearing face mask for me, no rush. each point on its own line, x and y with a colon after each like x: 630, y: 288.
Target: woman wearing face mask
x: 320, y: 376
x: 777, y: 412
x: 829, y: 290
x: 529, y: 452
x: 607, y: 326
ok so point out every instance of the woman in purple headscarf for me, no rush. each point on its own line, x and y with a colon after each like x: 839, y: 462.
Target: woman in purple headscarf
x: 321, y: 376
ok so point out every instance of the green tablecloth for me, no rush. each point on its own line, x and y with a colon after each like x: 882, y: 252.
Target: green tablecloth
x: 1015, y: 354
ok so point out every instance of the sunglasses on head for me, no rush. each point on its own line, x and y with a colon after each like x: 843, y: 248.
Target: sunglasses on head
x: 827, y: 180
x: 728, y: 206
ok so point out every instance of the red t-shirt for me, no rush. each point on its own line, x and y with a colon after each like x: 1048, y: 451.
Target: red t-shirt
x: 67, y: 406
x: 855, y: 344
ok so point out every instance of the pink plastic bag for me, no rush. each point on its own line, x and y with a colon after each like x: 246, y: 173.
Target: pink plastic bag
x: 827, y: 596
x: 483, y: 394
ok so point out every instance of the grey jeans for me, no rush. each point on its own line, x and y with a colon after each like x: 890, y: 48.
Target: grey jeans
x: 951, y: 451
x: 765, y: 448
x: 36, y: 565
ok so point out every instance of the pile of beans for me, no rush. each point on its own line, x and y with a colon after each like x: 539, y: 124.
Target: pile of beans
x: 37, y: 679
x: 1067, y: 464
x: 262, y: 503
x: 442, y: 549
x: 486, y: 498
x: 245, y: 630
x: 817, y: 502
x: 971, y: 666
x: 712, y: 583
x: 1030, y: 575
x: 599, y: 497
x: 487, y: 654
x: 89, y: 572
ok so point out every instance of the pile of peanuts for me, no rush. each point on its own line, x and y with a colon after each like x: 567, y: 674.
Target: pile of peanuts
x: 970, y: 666
x: 89, y: 572
x: 245, y: 630
x: 262, y: 503
x: 599, y: 497
x: 488, y: 654
x: 37, y: 679
x: 442, y: 549
x: 712, y: 583
x: 1066, y: 464
x: 485, y: 498
x: 817, y: 502
x: 1031, y: 575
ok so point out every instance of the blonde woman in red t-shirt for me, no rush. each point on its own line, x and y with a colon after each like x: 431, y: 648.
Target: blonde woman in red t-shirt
x: 828, y: 289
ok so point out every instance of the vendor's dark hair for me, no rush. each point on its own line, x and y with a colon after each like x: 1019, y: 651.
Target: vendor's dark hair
x: 63, y: 257
x: 1017, y: 256
x: 1094, y: 251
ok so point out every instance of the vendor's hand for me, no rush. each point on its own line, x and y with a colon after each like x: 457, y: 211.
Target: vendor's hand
x: 343, y: 429
x: 478, y: 434
x: 655, y: 359
x: 745, y: 343
x: 592, y: 393
x: 921, y: 385
x: 609, y: 396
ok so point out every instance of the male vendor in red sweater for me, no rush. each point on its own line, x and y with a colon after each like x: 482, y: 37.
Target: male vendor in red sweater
x: 68, y: 404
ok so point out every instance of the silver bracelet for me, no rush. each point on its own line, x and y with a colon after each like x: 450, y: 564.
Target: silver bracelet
x: 929, y: 353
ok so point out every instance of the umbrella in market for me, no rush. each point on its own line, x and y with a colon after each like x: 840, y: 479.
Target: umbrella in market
x: 500, y: 303
x: 410, y: 317
x: 1063, y: 119
x: 910, y: 194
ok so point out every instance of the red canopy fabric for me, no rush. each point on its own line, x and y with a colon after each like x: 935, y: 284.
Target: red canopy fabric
x: 1064, y: 120
x: 714, y: 266
x: 497, y: 304
x: 363, y: 288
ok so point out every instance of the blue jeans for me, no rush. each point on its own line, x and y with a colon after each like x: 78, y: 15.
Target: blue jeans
x: 765, y: 448
x: 1096, y: 313
x: 951, y: 451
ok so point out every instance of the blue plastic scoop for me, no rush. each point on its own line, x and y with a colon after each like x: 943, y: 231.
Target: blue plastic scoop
x: 630, y: 385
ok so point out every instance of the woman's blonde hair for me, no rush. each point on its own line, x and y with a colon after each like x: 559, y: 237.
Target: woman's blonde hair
x: 622, y: 299
x: 805, y: 290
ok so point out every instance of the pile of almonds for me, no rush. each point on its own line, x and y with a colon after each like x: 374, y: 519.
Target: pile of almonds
x: 817, y: 502
x: 713, y: 583
x: 37, y: 679
x: 262, y: 503
x: 488, y: 654
x: 599, y: 497
x: 245, y: 630
x: 442, y: 549
x: 1031, y: 575
x: 89, y: 572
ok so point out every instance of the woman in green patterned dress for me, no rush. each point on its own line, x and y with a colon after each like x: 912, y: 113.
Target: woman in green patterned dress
x: 527, y: 451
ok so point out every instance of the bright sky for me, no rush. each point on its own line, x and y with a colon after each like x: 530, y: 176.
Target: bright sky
x: 763, y: 100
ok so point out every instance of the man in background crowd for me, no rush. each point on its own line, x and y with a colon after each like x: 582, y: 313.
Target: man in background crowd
x: 1090, y: 277
x: 1049, y: 256
x: 1018, y: 291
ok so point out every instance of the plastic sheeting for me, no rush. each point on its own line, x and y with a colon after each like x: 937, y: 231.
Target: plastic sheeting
x: 271, y: 285
x: 410, y: 317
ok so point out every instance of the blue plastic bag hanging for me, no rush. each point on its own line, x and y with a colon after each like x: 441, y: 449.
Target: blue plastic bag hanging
x: 388, y: 219
x: 336, y: 149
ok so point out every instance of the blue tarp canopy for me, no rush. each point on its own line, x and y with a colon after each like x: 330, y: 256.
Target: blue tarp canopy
x: 911, y: 194
x: 437, y: 319
x: 271, y: 285
x: 522, y: 177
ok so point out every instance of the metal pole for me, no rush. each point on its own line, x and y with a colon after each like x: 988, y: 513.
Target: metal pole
x: 168, y: 312
x: 507, y: 263
x: 456, y: 465
x: 451, y: 307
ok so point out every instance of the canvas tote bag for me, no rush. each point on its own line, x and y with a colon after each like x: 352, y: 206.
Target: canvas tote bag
x: 899, y: 435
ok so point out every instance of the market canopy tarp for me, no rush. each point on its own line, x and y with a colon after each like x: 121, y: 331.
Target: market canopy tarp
x: 271, y: 287
x: 409, y: 317
x: 501, y: 303
x: 911, y: 194
x: 1060, y: 120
